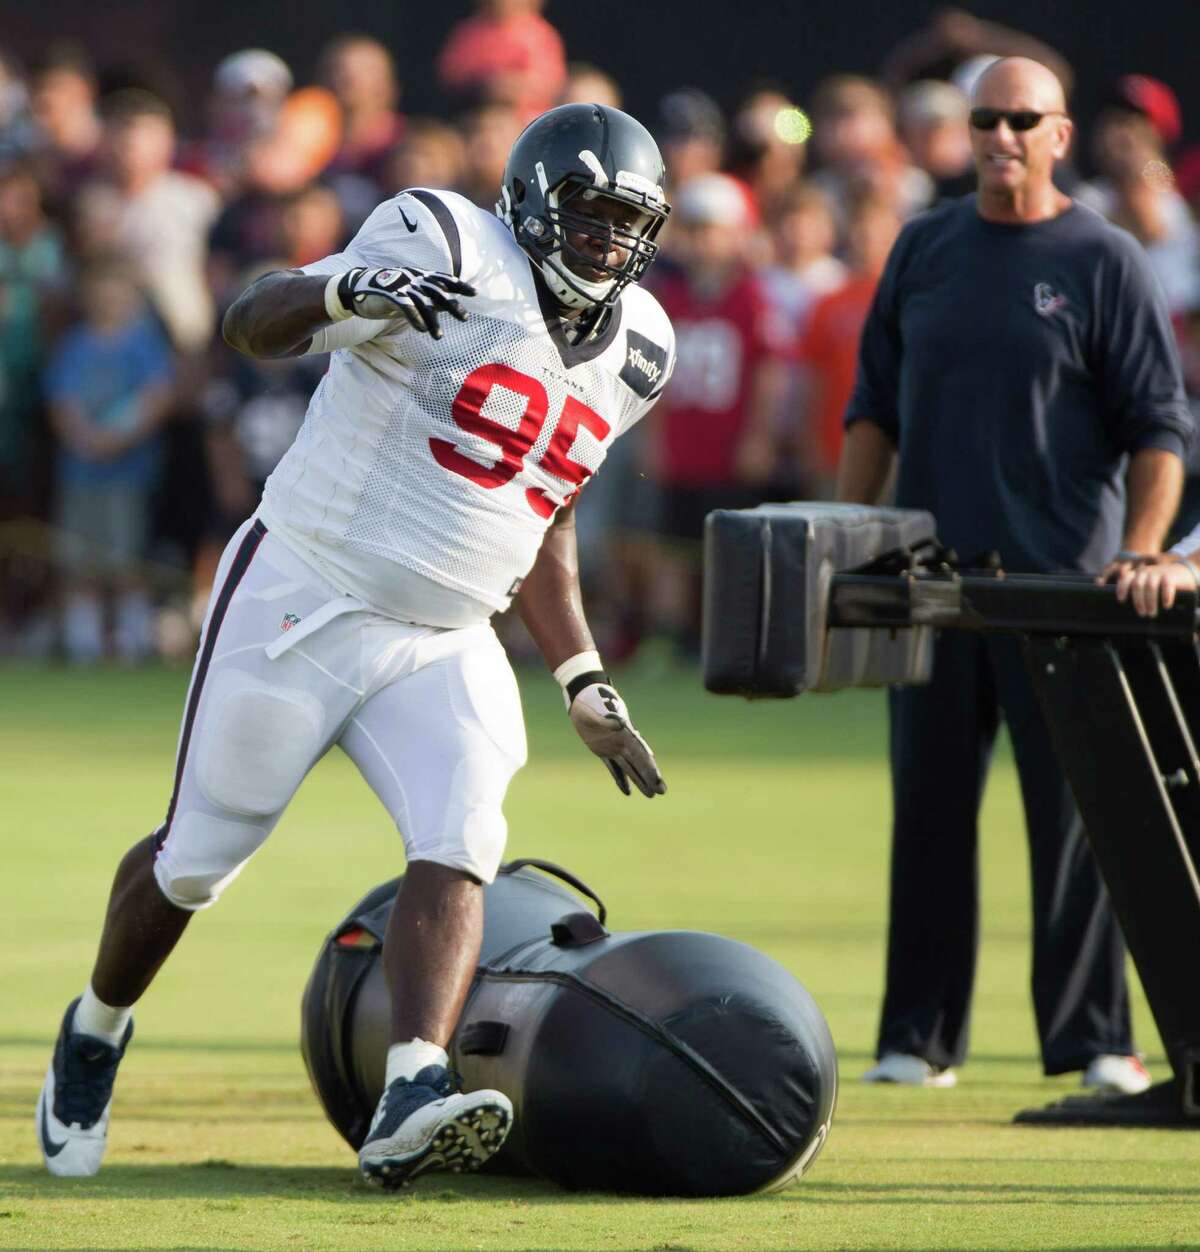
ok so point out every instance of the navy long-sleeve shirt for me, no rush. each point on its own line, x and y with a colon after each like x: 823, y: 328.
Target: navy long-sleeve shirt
x: 1016, y: 368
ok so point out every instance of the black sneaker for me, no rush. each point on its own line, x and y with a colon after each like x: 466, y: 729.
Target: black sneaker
x: 72, y: 1112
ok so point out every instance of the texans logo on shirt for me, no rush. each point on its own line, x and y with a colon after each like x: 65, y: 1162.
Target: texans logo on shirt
x: 1046, y: 300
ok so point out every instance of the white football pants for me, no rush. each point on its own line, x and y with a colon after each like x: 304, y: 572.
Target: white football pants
x: 287, y: 667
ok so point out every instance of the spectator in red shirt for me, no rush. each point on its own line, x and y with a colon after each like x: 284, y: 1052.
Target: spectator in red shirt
x: 712, y: 444
x: 828, y: 350
x: 507, y: 54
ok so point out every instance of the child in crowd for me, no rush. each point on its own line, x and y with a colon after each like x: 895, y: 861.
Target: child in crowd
x: 108, y: 391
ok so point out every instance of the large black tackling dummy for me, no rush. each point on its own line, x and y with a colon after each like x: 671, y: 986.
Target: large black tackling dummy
x: 767, y: 574
x: 654, y: 1063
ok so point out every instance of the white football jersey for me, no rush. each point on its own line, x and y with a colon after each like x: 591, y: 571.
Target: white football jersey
x: 447, y: 459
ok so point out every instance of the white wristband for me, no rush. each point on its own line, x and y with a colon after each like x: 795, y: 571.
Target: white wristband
x: 580, y: 663
x: 333, y: 305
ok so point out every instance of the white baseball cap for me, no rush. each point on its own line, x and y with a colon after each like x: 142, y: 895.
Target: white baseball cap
x: 966, y: 75
x: 253, y: 69
x: 711, y: 200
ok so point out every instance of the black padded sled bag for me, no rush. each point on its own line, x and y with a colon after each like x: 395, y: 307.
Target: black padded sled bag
x: 766, y: 592
x: 653, y: 1063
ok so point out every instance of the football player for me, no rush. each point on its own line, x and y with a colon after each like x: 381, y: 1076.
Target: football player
x: 481, y: 366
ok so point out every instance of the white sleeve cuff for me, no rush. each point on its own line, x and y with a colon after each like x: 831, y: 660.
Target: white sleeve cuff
x: 333, y: 306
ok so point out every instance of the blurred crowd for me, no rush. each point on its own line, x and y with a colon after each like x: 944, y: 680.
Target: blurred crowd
x: 133, y: 442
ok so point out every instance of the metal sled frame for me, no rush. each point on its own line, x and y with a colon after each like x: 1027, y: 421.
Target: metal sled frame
x: 1121, y: 695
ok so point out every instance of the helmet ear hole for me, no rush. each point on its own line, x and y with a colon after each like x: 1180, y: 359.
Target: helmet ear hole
x: 518, y: 186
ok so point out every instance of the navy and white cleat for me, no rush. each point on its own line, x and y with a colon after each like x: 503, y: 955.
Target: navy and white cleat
x: 72, y: 1111
x: 429, y: 1124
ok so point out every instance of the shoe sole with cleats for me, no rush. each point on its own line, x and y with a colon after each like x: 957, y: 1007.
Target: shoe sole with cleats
x: 460, y: 1146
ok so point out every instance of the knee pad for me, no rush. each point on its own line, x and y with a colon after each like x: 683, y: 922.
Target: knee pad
x: 202, y: 856
x: 256, y: 743
x: 484, y: 834
x: 472, y: 830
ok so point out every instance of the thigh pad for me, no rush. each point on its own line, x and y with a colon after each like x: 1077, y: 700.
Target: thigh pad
x: 256, y: 743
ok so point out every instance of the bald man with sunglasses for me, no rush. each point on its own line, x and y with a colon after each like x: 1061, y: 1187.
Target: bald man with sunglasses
x: 1019, y: 373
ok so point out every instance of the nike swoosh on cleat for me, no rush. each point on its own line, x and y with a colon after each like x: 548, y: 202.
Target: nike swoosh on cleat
x: 411, y: 225
x: 48, y: 1145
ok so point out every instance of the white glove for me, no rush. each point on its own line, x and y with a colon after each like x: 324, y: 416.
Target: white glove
x: 412, y: 294
x: 602, y: 720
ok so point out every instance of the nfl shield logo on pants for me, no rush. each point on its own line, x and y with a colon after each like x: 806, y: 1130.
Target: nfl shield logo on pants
x: 289, y: 620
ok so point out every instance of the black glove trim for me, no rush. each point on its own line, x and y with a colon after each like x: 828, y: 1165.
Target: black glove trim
x: 345, y: 287
x: 577, y: 684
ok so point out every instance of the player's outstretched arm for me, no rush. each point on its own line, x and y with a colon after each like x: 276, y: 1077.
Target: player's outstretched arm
x: 552, y: 609
x: 278, y: 315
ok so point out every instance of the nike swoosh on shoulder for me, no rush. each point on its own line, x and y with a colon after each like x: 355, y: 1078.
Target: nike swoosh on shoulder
x: 411, y: 225
x: 48, y: 1145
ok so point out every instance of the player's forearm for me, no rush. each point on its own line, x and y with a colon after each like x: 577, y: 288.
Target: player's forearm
x: 277, y: 315
x: 550, y: 603
x: 1154, y: 485
x: 866, y: 464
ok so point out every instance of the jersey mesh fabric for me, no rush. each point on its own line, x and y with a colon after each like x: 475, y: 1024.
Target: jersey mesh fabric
x: 364, y: 475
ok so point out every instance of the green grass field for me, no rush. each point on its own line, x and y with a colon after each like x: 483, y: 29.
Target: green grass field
x: 774, y: 832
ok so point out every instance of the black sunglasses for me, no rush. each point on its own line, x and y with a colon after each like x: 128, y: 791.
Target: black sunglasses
x: 1017, y: 119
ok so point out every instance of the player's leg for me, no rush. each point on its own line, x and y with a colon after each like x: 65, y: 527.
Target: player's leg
x: 941, y: 739
x: 430, y: 950
x: 439, y: 748
x: 141, y: 928
x: 1080, y: 996
x: 252, y: 729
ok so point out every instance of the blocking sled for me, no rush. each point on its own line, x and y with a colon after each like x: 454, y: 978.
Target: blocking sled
x: 1120, y: 693
x: 653, y: 1063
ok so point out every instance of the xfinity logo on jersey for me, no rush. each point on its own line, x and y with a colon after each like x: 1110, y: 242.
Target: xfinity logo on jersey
x: 645, y: 364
